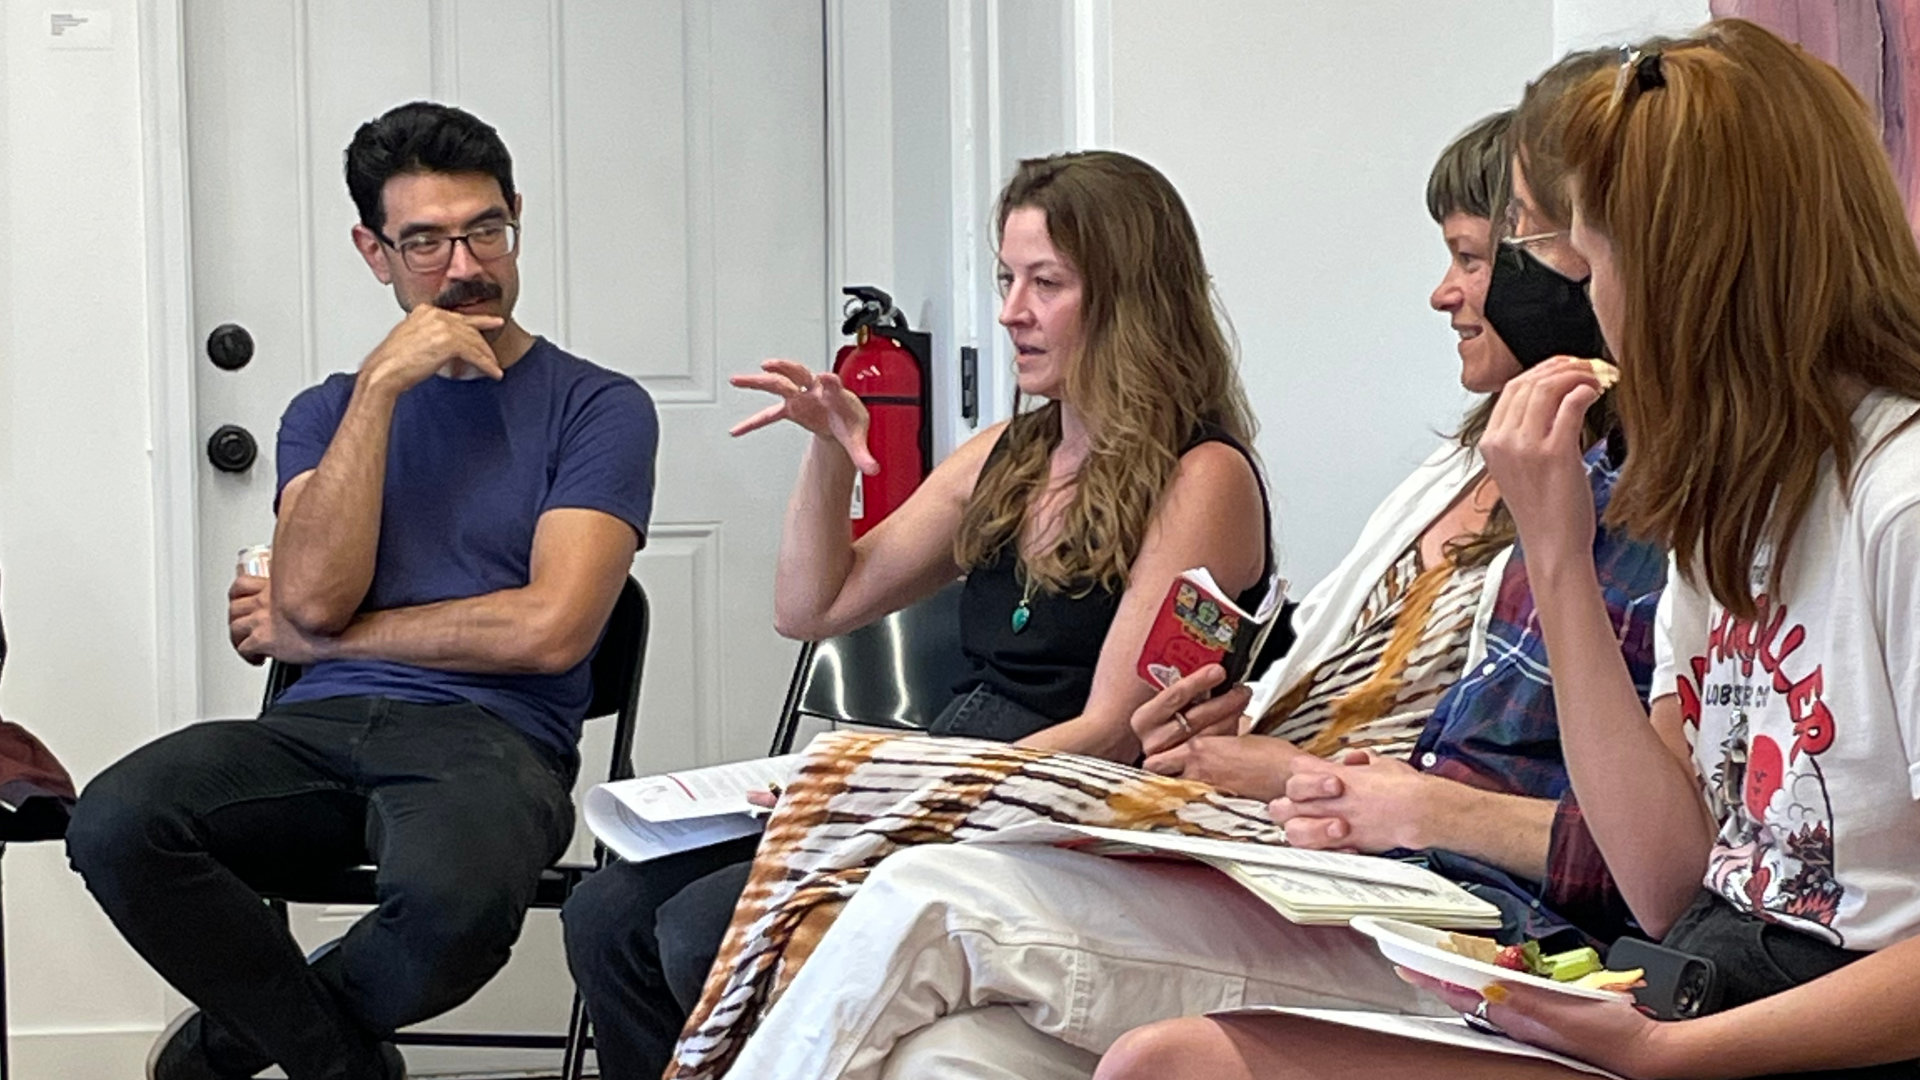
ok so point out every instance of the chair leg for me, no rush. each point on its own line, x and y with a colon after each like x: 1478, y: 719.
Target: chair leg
x: 578, y: 1026
x: 5, y: 1032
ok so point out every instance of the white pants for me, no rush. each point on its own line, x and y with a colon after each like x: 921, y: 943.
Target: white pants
x: 944, y: 945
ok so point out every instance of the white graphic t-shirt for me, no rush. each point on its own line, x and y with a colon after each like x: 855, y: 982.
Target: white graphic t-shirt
x: 1806, y: 721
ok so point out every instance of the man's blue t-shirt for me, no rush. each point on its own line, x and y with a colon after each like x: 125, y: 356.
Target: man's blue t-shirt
x: 471, y: 466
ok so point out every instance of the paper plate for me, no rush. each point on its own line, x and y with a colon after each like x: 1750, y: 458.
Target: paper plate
x: 1417, y: 948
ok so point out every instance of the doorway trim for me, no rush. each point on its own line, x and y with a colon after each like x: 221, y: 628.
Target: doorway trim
x: 170, y: 358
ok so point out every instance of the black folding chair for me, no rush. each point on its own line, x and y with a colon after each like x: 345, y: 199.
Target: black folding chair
x: 617, y: 665
x: 896, y: 672
x: 1279, y: 641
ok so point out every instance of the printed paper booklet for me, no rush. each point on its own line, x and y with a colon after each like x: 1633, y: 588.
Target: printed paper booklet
x: 651, y: 816
x: 1313, y: 888
x: 1443, y: 1030
x: 1199, y: 625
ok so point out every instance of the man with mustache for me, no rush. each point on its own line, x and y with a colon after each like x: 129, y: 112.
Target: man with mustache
x: 455, y: 521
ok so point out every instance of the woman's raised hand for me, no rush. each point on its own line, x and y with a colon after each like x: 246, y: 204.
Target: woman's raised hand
x: 820, y: 403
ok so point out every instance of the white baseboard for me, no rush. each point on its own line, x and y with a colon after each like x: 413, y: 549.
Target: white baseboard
x: 80, y: 1055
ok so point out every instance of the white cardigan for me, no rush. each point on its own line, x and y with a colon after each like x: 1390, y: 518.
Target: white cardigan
x: 1325, y: 616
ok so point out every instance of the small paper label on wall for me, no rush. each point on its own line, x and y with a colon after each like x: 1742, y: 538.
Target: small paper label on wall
x: 75, y: 28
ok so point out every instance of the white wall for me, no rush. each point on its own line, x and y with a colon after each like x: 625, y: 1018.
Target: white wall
x: 76, y: 521
x: 1583, y: 24
x: 1301, y: 136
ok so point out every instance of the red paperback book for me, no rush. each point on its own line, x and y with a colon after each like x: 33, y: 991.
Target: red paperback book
x: 1198, y: 625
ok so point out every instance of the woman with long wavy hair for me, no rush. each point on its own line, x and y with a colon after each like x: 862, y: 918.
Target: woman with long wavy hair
x: 1069, y: 523
x: 1755, y: 274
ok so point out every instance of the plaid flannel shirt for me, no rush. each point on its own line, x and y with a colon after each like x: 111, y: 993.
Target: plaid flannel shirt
x: 1496, y: 729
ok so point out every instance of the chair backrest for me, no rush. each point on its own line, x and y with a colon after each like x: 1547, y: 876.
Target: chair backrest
x: 617, y: 665
x: 1279, y: 641
x: 896, y: 672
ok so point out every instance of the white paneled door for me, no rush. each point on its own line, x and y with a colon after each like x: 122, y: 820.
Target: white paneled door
x: 671, y: 158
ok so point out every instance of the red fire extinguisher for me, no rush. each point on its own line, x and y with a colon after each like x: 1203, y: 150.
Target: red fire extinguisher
x: 887, y: 369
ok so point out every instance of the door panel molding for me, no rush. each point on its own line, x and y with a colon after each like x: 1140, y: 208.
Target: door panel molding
x: 307, y: 236
x: 672, y: 269
x: 680, y: 568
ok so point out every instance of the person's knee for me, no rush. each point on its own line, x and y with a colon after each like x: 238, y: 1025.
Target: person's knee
x: 1186, y: 1046
x: 606, y: 920
x: 441, y: 939
x: 989, y: 1042
x: 145, y: 805
x: 117, y: 820
x: 929, y: 875
x: 457, y: 920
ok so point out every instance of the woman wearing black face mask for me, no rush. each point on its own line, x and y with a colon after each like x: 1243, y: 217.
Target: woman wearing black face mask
x: 1541, y: 310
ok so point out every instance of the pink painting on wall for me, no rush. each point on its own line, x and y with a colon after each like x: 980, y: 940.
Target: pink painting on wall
x: 1876, y: 44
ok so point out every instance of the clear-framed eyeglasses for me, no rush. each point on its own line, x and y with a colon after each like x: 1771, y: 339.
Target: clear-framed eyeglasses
x: 430, y: 253
x: 1534, y: 243
x: 1530, y: 242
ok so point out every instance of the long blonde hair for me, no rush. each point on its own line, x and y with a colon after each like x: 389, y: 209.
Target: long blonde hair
x: 1762, y: 252
x: 1154, y: 366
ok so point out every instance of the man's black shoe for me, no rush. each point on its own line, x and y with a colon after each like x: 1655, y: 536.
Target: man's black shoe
x: 178, y: 1054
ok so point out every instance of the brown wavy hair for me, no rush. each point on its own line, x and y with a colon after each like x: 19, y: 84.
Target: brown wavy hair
x: 1154, y: 366
x: 1762, y: 253
x: 1533, y: 139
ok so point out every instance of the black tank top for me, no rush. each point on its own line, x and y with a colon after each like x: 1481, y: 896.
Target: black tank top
x: 1048, y: 666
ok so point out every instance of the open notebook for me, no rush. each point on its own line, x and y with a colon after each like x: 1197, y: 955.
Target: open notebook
x: 1309, y: 887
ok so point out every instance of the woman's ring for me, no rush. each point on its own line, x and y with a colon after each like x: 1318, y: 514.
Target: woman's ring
x: 1478, y: 1019
x: 1181, y: 719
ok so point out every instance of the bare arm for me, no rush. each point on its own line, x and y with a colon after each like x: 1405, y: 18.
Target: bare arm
x: 1512, y: 832
x: 827, y: 584
x: 324, y: 547
x: 1625, y: 771
x: 327, y: 536
x: 1210, y: 516
x: 580, y: 558
x: 1378, y: 804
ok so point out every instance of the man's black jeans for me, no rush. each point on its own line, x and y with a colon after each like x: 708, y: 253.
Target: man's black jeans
x: 460, y: 812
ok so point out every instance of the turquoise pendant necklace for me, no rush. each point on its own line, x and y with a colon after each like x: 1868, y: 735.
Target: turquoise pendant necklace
x: 1023, y: 613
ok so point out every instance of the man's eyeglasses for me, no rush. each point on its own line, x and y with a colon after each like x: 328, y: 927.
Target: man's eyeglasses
x: 427, y: 253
